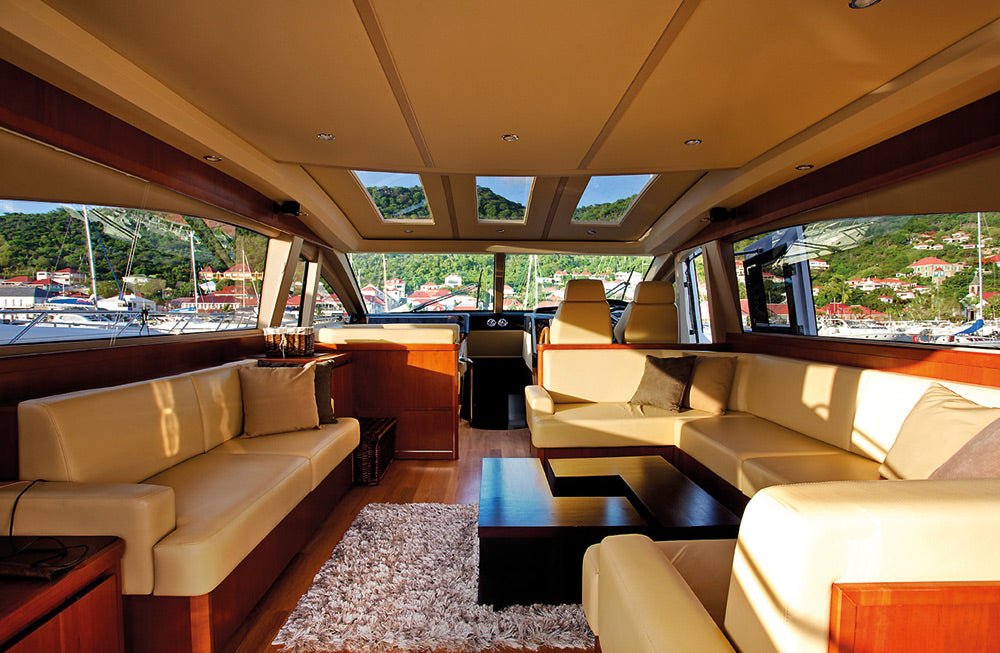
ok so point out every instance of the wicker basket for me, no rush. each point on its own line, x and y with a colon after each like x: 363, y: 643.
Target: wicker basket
x: 289, y: 341
x: 376, y: 450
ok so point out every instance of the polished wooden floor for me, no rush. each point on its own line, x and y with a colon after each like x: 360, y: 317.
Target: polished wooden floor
x: 406, y: 481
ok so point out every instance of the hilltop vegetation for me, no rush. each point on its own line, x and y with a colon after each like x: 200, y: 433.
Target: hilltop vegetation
x: 56, y: 240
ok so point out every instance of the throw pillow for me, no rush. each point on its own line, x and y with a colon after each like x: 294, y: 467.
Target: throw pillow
x: 978, y: 458
x: 663, y: 382
x: 939, y: 425
x: 711, y: 382
x: 278, y: 399
x: 324, y: 383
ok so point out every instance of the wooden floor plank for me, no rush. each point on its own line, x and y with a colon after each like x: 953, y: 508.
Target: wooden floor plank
x: 406, y: 481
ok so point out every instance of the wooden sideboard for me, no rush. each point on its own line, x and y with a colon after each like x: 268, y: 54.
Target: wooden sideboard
x: 418, y: 384
x: 79, y: 611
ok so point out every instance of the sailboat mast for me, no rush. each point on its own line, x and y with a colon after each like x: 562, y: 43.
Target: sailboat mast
x: 90, y: 254
x: 979, y: 250
x: 194, y: 272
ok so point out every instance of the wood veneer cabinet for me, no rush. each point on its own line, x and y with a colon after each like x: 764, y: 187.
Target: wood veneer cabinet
x: 415, y: 383
x: 79, y: 612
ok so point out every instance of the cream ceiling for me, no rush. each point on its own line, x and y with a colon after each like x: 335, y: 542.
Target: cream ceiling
x: 590, y: 88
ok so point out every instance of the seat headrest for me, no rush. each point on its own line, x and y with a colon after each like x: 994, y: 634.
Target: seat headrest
x: 584, y: 290
x: 654, y: 292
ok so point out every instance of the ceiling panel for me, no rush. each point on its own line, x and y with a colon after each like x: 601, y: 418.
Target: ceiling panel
x: 275, y: 73
x: 745, y: 76
x: 550, y: 72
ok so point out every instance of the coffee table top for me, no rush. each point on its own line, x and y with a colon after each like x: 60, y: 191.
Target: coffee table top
x: 667, y: 499
x: 572, y: 496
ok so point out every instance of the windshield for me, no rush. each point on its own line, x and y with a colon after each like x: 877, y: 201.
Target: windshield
x: 398, y: 283
x: 538, y: 281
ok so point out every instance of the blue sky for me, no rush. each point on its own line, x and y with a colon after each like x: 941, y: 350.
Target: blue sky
x: 599, y: 190
x: 18, y: 206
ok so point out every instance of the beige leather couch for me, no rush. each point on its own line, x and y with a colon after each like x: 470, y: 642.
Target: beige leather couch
x: 787, y: 420
x: 159, y: 463
x: 770, y: 590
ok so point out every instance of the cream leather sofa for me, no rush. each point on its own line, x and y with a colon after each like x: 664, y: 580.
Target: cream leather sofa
x: 770, y: 590
x: 787, y: 421
x: 159, y: 463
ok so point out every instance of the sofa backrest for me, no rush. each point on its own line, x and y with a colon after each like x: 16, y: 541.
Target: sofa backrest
x: 220, y: 399
x: 796, y: 541
x: 127, y: 433
x: 122, y: 434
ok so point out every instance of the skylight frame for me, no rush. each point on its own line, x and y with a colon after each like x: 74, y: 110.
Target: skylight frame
x: 504, y: 179
x: 377, y: 179
x: 595, y: 192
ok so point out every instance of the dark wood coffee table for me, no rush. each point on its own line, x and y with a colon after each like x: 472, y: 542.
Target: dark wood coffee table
x: 536, y: 523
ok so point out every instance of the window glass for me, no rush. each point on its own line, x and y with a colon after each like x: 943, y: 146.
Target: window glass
x: 502, y: 199
x: 698, y: 313
x: 74, y: 272
x: 397, y: 196
x: 539, y: 280
x: 910, y: 278
x: 329, y: 310
x: 396, y: 283
x: 293, y: 305
x: 607, y: 198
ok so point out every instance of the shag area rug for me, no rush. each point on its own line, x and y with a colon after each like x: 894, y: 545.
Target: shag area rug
x: 405, y: 578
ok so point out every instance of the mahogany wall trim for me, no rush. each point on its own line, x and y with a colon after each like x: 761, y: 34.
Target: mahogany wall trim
x: 961, y: 135
x: 918, y: 616
x: 39, y: 110
x: 959, y: 365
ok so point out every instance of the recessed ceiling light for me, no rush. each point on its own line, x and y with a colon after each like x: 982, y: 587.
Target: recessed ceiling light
x: 591, y: 232
x: 212, y: 158
x: 693, y: 141
x: 407, y: 231
x: 323, y: 136
x: 805, y: 166
x: 509, y: 138
x: 499, y: 231
x: 862, y: 4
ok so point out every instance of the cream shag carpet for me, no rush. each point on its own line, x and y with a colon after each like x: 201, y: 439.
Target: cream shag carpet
x: 404, y: 578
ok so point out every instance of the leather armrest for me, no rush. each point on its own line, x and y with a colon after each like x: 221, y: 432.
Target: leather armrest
x: 138, y: 513
x: 539, y: 400
x: 645, y: 605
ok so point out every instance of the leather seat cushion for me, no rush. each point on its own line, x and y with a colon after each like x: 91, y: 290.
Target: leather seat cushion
x: 226, y: 504
x: 759, y: 473
x: 722, y: 443
x: 607, y: 424
x: 325, y: 447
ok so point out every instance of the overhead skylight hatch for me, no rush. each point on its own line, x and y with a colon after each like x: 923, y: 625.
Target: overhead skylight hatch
x: 606, y: 199
x: 503, y: 199
x: 399, y: 197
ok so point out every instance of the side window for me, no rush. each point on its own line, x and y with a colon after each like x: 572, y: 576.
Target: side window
x: 778, y: 283
x: 696, y: 323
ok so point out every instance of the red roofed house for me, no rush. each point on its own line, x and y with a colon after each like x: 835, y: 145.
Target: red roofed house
x: 931, y: 266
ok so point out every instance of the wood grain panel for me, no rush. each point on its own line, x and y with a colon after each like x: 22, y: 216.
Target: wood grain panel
x: 415, y: 383
x: 980, y: 367
x: 927, y: 617
x: 41, y: 111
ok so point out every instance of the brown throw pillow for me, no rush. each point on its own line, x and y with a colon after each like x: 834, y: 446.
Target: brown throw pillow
x: 939, y: 425
x: 324, y: 382
x: 278, y: 399
x: 978, y: 458
x: 711, y: 382
x: 663, y: 382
